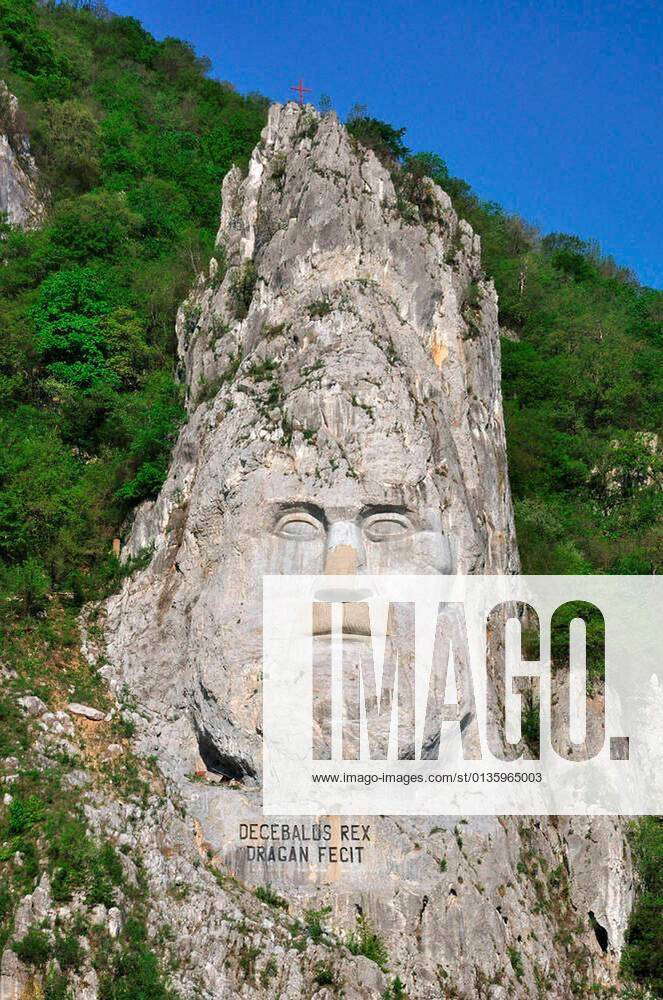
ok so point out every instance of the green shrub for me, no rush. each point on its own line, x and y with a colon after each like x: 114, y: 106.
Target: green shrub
x: 105, y: 876
x: 247, y: 960
x: 319, y: 308
x: 67, y: 141
x: 396, y: 991
x: 134, y: 972
x: 385, y: 141
x: 13, y: 727
x: 69, y: 854
x: 148, y: 423
x: 41, y: 517
x: 415, y: 199
x: 324, y: 974
x: 266, y: 895
x: 473, y: 295
x: 314, y: 923
x: 163, y: 212
x: 28, y: 583
x: 23, y: 815
x: 364, y: 941
x: 242, y: 286
x: 531, y: 726
x: 68, y: 951
x: 94, y: 226
x: 34, y: 948
x: 55, y: 986
x: 594, y: 636
x: 68, y: 329
x: 262, y: 370
x: 268, y: 972
x: 516, y: 960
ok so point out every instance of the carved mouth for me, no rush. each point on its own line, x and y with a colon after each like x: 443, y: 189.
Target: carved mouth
x: 356, y: 620
x: 345, y: 633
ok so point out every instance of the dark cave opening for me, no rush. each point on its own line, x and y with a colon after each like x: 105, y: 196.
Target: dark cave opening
x: 600, y: 932
x: 232, y: 768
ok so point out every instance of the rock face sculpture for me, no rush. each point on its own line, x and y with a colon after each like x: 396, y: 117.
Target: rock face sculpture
x: 342, y: 372
x: 20, y: 202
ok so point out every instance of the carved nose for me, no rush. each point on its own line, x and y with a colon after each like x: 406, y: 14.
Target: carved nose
x: 344, y: 556
x: 345, y: 550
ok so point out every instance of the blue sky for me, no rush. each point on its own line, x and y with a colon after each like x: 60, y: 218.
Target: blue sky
x: 552, y: 109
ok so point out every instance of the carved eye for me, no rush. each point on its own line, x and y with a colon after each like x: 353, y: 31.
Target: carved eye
x: 297, y: 525
x: 386, y: 525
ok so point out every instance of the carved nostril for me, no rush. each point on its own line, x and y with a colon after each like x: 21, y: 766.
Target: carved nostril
x: 341, y: 560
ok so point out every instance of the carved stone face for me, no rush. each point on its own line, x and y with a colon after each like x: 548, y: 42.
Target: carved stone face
x: 293, y: 508
x: 354, y: 538
x: 360, y: 431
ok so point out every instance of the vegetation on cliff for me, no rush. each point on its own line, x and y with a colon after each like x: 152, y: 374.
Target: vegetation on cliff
x: 582, y: 379
x: 132, y: 138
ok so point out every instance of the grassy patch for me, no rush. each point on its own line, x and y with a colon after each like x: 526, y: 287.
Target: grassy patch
x: 516, y: 960
x: 319, y: 308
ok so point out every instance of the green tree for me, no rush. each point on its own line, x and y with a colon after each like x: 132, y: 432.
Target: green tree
x: 67, y: 140
x: 95, y: 226
x: 69, y: 330
x: 385, y: 140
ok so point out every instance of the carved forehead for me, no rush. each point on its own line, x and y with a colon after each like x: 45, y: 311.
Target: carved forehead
x: 339, y: 446
x: 284, y: 480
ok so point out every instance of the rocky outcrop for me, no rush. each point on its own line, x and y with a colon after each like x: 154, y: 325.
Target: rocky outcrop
x: 20, y: 201
x: 213, y: 936
x: 339, y: 355
x: 341, y: 362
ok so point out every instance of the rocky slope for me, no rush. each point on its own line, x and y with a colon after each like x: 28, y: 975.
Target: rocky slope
x: 341, y: 362
x: 20, y: 201
x: 343, y: 355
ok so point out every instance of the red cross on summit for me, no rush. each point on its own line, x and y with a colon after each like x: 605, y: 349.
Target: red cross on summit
x: 301, y: 90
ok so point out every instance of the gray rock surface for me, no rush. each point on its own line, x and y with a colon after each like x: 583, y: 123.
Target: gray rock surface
x: 223, y: 942
x: 20, y: 200
x: 15, y: 977
x: 32, y: 705
x: 87, y: 711
x: 342, y: 363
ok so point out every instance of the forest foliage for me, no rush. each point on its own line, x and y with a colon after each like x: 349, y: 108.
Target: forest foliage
x: 133, y: 137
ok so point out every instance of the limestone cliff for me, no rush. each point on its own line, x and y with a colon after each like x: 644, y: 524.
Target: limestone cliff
x: 341, y: 363
x: 20, y: 201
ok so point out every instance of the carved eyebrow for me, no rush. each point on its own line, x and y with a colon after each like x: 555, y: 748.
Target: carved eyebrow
x: 384, y: 508
x: 302, y: 506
